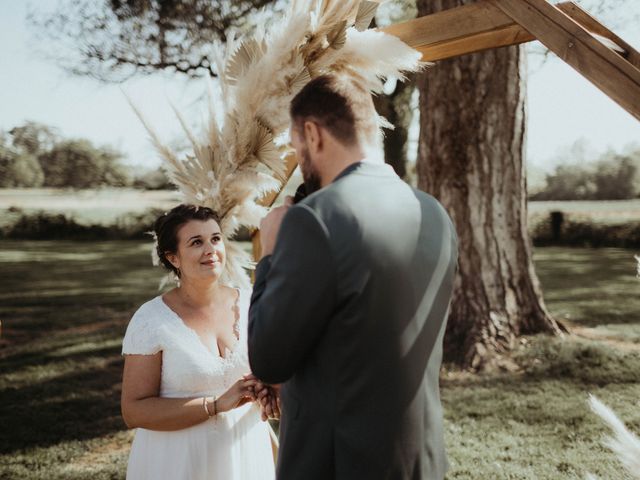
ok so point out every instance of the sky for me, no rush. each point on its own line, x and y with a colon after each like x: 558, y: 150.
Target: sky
x: 563, y: 107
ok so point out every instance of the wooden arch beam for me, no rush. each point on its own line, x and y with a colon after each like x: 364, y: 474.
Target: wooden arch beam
x: 459, y: 31
x: 566, y: 29
x: 611, y: 71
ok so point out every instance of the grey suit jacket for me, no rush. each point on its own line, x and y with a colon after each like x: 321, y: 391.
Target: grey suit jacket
x: 349, y: 312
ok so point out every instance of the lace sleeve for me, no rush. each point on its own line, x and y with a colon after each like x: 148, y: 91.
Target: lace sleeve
x: 143, y: 335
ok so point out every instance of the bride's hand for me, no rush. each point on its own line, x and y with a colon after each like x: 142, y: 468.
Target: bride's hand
x: 238, y: 394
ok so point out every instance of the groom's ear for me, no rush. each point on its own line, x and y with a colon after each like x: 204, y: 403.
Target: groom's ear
x: 313, y: 136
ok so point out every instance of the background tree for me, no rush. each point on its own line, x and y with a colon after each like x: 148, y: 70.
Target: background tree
x: 569, y: 182
x: 32, y: 138
x: 18, y: 170
x: 471, y: 157
x: 33, y: 155
x: 78, y: 164
x: 116, y: 39
x: 615, y: 178
x: 396, y: 107
x: 395, y: 103
x: 19, y: 166
x: 152, y: 179
x: 611, y: 176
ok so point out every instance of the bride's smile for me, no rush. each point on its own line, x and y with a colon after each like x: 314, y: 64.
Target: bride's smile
x: 211, y: 262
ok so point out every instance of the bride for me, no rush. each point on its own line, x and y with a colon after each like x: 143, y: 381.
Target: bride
x: 186, y: 385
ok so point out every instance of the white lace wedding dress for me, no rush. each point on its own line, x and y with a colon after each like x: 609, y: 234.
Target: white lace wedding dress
x: 230, y: 446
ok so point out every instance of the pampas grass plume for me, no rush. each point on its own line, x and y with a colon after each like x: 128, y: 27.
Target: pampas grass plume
x: 623, y: 443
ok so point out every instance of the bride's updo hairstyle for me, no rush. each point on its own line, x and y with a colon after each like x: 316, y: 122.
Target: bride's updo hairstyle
x: 167, y: 225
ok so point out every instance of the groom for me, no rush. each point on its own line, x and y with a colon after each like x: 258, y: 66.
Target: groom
x: 350, y: 302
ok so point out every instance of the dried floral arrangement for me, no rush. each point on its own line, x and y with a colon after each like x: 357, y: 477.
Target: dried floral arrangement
x: 241, y: 157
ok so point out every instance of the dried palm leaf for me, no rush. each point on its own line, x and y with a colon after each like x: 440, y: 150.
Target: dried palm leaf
x: 248, y: 53
x: 338, y: 36
x: 366, y: 12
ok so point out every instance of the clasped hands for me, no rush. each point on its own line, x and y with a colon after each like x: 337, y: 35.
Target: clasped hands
x: 266, y: 396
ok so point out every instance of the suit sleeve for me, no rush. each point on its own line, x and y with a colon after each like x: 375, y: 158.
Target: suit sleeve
x: 293, y: 297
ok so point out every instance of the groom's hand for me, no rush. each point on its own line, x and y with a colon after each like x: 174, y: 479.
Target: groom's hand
x: 270, y: 225
x: 266, y: 396
x: 269, y: 400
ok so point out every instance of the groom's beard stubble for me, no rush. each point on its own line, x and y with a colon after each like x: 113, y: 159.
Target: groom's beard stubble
x: 310, y: 175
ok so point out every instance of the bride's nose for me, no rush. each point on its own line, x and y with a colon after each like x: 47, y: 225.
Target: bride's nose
x: 209, y: 249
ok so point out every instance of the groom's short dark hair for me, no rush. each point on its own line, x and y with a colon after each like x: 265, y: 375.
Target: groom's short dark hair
x: 339, y: 104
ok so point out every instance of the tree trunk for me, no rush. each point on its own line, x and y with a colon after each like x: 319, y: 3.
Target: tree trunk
x: 397, y: 109
x: 471, y: 157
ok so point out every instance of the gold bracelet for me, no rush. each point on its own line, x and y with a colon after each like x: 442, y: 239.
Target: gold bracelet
x: 205, y: 404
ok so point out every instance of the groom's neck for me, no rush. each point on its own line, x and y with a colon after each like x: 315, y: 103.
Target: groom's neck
x: 337, y: 160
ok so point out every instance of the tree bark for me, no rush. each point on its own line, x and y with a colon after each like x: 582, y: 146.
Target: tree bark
x: 397, y: 109
x: 471, y: 157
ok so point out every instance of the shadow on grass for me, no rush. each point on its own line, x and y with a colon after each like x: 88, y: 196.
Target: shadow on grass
x: 569, y: 359
x: 536, y: 423
x: 590, y: 287
x: 48, y: 357
x: 75, y: 406
x: 67, y: 306
x: 64, y: 314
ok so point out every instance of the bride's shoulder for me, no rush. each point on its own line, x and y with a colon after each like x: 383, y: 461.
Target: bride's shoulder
x: 149, y: 307
x: 144, y: 332
x: 152, y: 311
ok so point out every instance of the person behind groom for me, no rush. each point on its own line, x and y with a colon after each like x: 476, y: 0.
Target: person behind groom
x: 350, y: 301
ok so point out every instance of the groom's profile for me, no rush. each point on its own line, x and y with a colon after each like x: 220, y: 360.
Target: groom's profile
x: 350, y: 302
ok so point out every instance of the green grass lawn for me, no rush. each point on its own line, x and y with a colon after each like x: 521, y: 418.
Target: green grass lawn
x: 64, y: 307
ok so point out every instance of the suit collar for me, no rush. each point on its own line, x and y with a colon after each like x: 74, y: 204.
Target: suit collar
x: 367, y: 168
x: 351, y: 168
